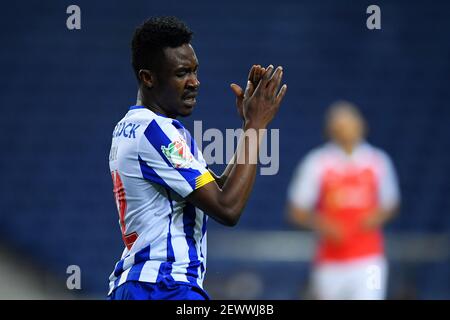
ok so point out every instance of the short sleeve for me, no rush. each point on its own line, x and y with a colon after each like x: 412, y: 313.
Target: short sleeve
x: 389, y: 192
x: 303, y: 190
x: 165, y: 158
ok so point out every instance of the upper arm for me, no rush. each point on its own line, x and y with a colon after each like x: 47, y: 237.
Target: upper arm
x: 304, y: 188
x: 166, y: 159
x: 389, y: 191
x: 219, y: 180
x: 208, y: 199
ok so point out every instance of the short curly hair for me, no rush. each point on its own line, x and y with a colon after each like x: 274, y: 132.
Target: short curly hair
x: 155, y: 34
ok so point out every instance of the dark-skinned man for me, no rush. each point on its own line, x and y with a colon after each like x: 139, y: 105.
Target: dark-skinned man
x: 162, y: 186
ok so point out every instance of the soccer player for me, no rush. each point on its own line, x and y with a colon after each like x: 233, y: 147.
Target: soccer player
x: 162, y: 185
x: 346, y: 191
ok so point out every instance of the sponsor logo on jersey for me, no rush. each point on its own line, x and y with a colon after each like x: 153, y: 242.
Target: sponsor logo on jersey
x: 178, y: 154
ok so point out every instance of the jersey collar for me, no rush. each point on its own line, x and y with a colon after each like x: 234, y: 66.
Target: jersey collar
x: 142, y: 107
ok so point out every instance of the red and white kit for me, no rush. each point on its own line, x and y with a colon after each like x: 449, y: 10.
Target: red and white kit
x: 346, y: 189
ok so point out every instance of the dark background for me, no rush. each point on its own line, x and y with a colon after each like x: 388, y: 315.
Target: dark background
x: 62, y: 92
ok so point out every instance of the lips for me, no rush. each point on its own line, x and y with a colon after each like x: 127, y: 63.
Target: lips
x: 190, y: 99
x: 190, y: 95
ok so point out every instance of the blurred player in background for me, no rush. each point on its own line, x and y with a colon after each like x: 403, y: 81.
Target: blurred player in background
x: 345, y: 191
x: 161, y: 181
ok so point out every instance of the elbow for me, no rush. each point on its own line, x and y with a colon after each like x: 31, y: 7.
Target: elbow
x: 298, y: 217
x: 232, y: 222
x: 230, y: 217
x: 290, y: 216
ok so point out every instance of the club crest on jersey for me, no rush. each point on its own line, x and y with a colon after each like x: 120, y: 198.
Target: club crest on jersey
x: 178, y: 154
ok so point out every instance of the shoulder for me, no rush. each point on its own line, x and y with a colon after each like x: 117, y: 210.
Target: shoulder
x: 375, y: 152
x: 161, y: 130
x: 316, y: 157
x: 377, y: 157
x: 323, y: 153
x: 315, y: 153
x: 151, y: 125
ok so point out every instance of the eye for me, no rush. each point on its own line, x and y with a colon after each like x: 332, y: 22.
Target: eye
x: 181, y: 74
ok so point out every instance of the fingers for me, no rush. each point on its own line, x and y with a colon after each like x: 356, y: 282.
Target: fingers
x: 258, y: 74
x: 251, y: 74
x: 255, y: 75
x: 249, y: 89
x: 266, y: 77
x: 237, y: 90
x: 281, y: 94
x: 262, y: 72
x: 264, y: 80
x: 274, y: 82
x: 268, y: 73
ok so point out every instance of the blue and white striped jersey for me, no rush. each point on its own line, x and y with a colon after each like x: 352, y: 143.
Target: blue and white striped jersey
x: 155, y: 164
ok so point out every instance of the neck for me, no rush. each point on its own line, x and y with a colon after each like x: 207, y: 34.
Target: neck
x: 149, y: 103
x: 348, y: 147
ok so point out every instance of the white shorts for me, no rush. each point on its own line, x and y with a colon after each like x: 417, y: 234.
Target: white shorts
x: 358, y: 279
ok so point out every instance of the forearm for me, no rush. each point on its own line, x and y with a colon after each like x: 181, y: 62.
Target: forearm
x: 220, y: 180
x: 382, y: 216
x: 226, y: 204
x: 304, y: 218
x: 242, y: 171
x: 260, y: 104
x: 226, y: 173
x: 385, y: 215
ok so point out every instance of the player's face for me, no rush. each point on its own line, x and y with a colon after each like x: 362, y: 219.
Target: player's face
x: 177, y: 81
x: 346, y: 128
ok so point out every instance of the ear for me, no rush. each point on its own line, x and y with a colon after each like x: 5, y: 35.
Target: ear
x: 147, y: 78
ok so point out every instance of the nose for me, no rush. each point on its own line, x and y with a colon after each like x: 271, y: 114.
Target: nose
x: 193, y: 82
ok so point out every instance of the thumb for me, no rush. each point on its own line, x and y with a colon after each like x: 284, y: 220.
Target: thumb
x: 237, y: 90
